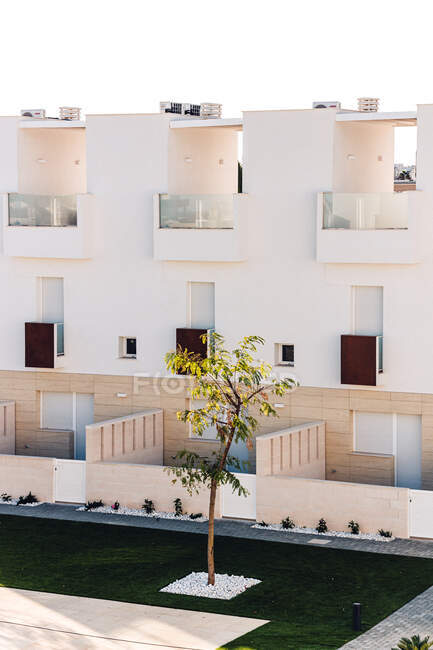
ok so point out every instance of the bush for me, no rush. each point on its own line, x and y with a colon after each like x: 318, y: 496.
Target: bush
x: 287, y: 523
x: 197, y: 515
x: 384, y: 533
x: 148, y: 506
x: 29, y: 498
x: 115, y: 506
x: 262, y: 523
x: 414, y: 643
x: 354, y: 527
x: 92, y: 505
x: 6, y: 498
x: 322, y: 526
x: 178, y: 509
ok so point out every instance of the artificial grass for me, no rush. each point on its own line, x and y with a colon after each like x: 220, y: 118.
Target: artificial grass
x: 306, y: 592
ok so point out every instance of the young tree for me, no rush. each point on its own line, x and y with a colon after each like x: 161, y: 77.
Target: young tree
x: 235, y: 386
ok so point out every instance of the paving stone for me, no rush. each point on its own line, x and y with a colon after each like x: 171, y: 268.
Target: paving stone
x: 416, y: 617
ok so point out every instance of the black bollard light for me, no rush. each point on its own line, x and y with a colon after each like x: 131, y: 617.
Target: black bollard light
x: 356, y: 616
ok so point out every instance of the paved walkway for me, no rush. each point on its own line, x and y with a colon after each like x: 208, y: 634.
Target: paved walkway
x: 226, y: 527
x: 416, y: 617
x: 31, y: 619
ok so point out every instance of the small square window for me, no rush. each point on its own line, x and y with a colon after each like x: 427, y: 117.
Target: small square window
x: 284, y: 354
x: 127, y: 347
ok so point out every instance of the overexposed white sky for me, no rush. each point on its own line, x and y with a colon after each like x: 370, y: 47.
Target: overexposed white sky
x: 110, y: 56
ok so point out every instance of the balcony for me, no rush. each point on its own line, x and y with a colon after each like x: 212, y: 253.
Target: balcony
x: 361, y: 360
x: 44, y: 345
x: 367, y: 228
x: 200, y: 227
x: 48, y: 226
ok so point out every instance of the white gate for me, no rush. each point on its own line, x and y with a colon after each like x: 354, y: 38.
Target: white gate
x: 240, y: 507
x: 70, y: 481
x: 421, y: 513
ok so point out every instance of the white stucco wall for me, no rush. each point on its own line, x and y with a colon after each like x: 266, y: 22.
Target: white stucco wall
x: 280, y: 291
x: 363, y: 157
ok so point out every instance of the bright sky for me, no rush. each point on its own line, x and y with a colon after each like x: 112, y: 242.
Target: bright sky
x: 114, y: 56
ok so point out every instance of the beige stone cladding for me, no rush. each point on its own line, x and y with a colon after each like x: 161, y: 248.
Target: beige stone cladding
x: 334, y: 406
x: 307, y: 500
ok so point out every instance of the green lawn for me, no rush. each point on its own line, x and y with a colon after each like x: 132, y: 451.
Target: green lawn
x: 306, y: 592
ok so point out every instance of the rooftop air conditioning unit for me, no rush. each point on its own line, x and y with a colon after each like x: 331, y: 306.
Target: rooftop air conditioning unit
x: 368, y: 104
x: 69, y: 113
x: 336, y: 105
x: 38, y: 113
x: 205, y: 110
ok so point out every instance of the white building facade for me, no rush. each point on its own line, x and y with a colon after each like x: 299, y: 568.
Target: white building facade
x: 120, y: 230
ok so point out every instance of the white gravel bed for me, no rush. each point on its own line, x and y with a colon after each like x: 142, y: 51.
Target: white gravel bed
x: 225, y: 588
x: 135, y: 512
x: 330, y: 533
x: 13, y: 502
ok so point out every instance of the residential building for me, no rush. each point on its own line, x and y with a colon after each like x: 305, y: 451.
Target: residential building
x: 123, y: 235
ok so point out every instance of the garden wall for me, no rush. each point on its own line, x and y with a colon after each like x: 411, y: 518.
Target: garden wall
x: 7, y: 427
x: 306, y: 500
x: 131, y: 484
x: 22, y: 474
x: 135, y: 438
x: 297, y: 451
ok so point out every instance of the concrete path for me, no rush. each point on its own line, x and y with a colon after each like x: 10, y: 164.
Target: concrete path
x: 416, y: 617
x: 36, y: 620
x: 227, y: 527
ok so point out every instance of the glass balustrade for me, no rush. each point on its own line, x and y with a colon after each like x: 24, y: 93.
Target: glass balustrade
x: 42, y: 210
x: 214, y: 211
x: 380, y: 211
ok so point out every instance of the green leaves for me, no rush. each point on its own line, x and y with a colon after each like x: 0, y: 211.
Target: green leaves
x: 234, y: 385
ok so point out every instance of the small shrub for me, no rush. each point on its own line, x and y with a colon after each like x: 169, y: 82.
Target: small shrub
x: 92, y: 505
x: 384, y: 533
x: 115, y: 506
x: 178, y: 509
x: 29, y: 498
x: 414, y: 643
x: 6, y: 498
x: 263, y: 524
x: 148, y: 506
x: 354, y: 527
x: 196, y: 515
x: 287, y: 523
x: 322, y: 526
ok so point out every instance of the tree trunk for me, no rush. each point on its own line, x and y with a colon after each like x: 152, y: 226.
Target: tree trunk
x: 210, y: 538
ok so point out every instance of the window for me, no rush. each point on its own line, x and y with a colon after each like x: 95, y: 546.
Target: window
x: 70, y: 411
x: 368, y: 311
x: 393, y: 434
x: 202, y: 305
x: 51, y: 300
x: 210, y: 432
x: 127, y: 347
x: 284, y: 354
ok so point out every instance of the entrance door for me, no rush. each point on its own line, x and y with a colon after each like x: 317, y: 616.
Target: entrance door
x: 240, y: 507
x: 84, y: 415
x: 70, y: 481
x: 408, y: 456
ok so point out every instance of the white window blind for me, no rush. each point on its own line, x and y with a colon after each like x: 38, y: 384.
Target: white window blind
x: 57, y: 411
x: 368, y: 311
x: 374, y: 433
x: 52, y: 300
x: 202, y: 305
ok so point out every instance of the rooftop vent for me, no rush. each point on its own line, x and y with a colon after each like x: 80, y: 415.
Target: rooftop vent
x: 205, y: 110
x: 69, y: 113
x: 368, y: 104
x: 38, y: 113
x: 336, y: 105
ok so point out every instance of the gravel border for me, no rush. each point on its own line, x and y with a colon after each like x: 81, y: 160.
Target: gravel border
x: 14, y: 502
x: 329, y: 533
x: 136, y: 512
x: 225, y: 588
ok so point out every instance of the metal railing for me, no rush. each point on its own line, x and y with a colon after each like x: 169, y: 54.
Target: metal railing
x: 42, y: 210
x: 200, y: 211
x: 378, y: 211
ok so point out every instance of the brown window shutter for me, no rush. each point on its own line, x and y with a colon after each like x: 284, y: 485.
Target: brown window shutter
x: 39, y: 345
